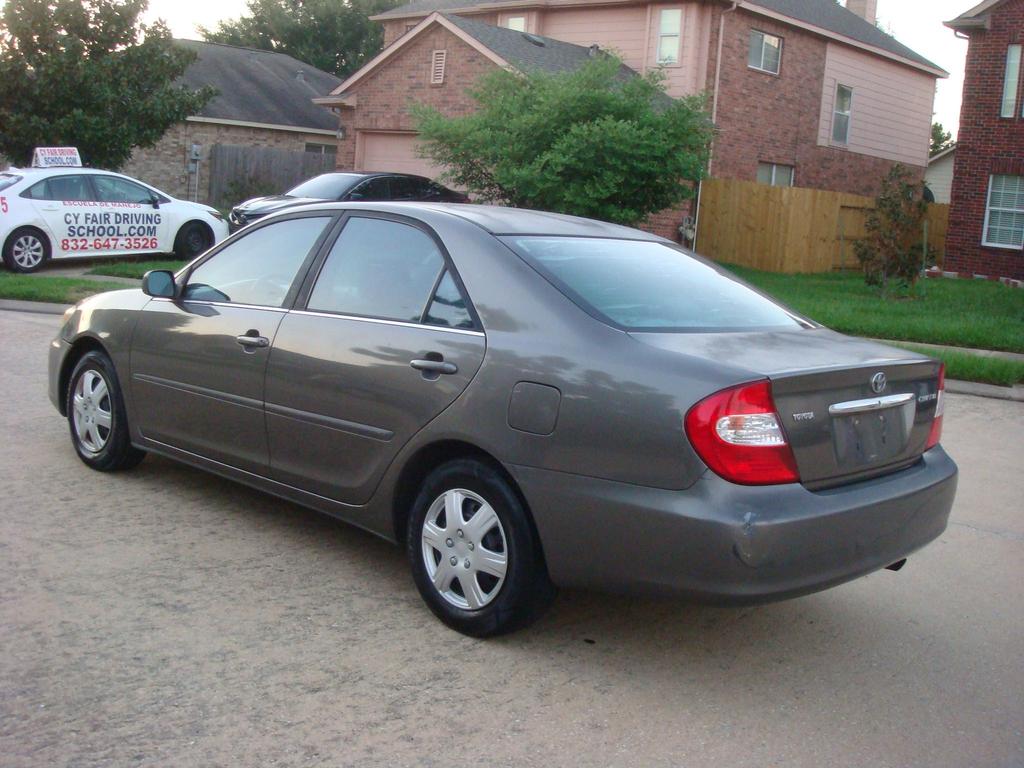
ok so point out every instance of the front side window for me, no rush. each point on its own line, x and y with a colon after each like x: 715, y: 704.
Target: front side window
x: 110, y: 189
x: 1004, y: 216
x: 1011, y: 81
x: 258, y: 268
x: 378, y: 268
x: 671, y: 24
x: 64, y: 188
x: 646, y: 286
x: 765, y: 52
x: 776, y: 175
x: 842, y: 114
x: 374, y: 189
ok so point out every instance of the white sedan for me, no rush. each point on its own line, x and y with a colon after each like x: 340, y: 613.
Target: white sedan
x: 73, y: 212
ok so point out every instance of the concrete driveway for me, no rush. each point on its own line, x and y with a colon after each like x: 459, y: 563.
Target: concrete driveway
x: 164, y: 617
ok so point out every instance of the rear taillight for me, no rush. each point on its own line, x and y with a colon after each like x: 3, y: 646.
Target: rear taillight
x: 936, y: 432
x: 737, y: 433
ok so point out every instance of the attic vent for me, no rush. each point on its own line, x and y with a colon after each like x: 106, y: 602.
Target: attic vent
x: 538, y: 41
x: 300, y: 76
x: 437, y: 62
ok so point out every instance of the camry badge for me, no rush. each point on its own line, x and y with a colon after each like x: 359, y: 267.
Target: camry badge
x: 878, y: 383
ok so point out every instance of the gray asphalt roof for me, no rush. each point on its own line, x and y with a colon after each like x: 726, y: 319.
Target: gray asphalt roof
x: 826, y: 14
x: 257, y: 86
x: 528, y: 52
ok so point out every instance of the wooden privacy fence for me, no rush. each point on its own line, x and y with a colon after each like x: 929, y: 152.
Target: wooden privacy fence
x: 787, y: 229
x: 237, y: 173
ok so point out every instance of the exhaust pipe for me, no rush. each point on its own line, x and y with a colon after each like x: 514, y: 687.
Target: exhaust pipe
x: 897, y: 565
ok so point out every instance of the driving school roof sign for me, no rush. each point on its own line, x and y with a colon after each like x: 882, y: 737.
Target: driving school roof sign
x: 56, y: 157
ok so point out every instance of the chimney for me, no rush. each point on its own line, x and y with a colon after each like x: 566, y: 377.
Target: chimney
x: 866, y: 9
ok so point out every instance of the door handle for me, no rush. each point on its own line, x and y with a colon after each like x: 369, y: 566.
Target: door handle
x: 252, y: 340
x: 434, y: 366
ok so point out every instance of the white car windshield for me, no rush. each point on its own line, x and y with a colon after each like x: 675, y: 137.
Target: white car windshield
x: 8, y: 180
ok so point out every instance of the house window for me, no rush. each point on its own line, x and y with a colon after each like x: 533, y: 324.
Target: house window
x: 437, y: 62
x: 1004, y: 215
x: 671, y: 25
x: 765, y: 52
x: 776, y: 175
x: 841, y: 114
x: 518, y: 23
x: 1011, y: 81
x: 321, y: 149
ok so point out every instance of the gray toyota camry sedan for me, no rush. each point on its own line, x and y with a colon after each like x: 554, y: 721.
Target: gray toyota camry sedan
x: 523, y: 400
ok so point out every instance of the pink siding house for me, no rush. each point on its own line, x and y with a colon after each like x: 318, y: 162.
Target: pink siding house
x: 803, y: 92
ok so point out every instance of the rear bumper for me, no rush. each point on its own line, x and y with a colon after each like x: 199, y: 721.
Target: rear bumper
x: 723, y: 542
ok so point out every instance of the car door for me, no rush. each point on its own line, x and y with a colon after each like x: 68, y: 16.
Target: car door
x: 385, y: 341
x: 198, y: 362
x: 130, y: 220
x: 66, y: 204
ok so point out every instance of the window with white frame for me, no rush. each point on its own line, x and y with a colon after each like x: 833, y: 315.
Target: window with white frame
x: 842, y: 113
x: 765, y: 52
x: 518, y: 23
x: 775, y: 174
x: 1011, y: 81
x: 670, y: 26
x: 1004, y: 215
x: 437, y: 62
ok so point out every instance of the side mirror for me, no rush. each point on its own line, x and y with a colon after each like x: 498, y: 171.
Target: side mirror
x: 155, y: 201
x: 159, y: 283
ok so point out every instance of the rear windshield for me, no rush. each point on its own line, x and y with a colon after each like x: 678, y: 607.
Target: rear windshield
x: 645, y: 286
x: 8, y: 180
x: 329, y: 186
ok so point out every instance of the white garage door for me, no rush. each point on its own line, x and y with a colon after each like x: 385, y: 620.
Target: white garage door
x: 393, y: 152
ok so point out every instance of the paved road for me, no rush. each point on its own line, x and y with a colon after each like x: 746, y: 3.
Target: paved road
x: 167, y: 618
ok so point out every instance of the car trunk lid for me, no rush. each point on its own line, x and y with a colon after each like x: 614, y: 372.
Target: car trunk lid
x: 850, y: 408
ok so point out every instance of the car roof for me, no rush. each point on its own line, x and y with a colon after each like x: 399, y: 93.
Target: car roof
x: 370, y: 174
x: 60, y: 171
x: 496, y: 220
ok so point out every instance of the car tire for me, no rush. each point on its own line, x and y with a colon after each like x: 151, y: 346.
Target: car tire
x: 26, y: 250
x: 481, y: 573
x: 192, y: 239
x: 96, y: 416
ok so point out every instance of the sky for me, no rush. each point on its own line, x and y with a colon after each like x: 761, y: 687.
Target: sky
x: 915, y: 23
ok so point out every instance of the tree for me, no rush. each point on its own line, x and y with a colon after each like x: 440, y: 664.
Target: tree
x: 88, y: 75
x: 333, y: 35
x: 893, y: 247
x: 941, y: 139
x: 589, y: 142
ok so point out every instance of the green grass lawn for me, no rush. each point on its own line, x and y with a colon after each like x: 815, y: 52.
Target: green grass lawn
x: 59, y: 290
x: 959, y: 313
x: 135, y: 268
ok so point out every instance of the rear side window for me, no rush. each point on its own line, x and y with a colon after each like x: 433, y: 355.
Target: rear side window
x: 61, y: 188
x: 448, y: 307
x: 378, y: 268
x: 646, y: 286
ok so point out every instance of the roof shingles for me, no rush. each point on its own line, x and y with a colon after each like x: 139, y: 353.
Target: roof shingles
x: 255, y: 86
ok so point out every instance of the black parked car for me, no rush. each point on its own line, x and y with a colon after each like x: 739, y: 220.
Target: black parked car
x: 346, y: 187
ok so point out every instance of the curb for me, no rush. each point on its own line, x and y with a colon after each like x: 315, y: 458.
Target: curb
x: 38, y: 307
x: 992, y: 391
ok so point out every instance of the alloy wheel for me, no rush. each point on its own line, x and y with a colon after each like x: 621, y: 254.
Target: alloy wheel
x: 92, y: 412
x: 27, y: 251
x: 465, y: 550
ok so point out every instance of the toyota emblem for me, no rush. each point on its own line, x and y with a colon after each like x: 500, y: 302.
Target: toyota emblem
x: 878, y: 383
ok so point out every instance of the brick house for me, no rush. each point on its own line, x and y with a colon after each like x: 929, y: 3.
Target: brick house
x: 803, y: 92
x: 264, y: 99
x: 986, y: 225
